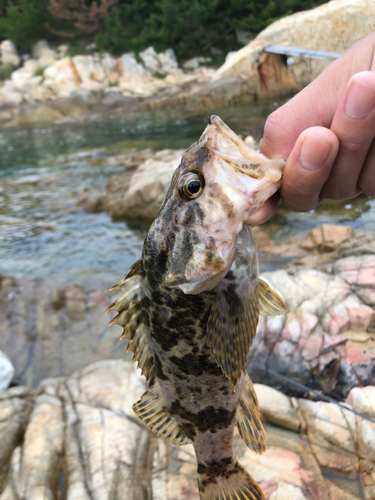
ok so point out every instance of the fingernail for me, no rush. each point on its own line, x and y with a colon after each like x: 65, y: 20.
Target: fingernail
x: 360, y: 100
x: 314, y: 152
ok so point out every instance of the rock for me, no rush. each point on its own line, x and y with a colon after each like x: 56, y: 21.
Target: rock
x: 85, y: 426
x: 140, y: 195
x: 276, y: 408
x: 195, y: 62
x: 89, y: 70
x: 326, y: 238
x: 113, y: 69
x: 150, y: 60
x: 44, y: 55
x: 95, y: 203
x: 6, y: 371
x: 62, y: 50
x: 326, y: 333
x: 321, y: 28
x: 62, y: 77
x: 8, y: 54
x: 168, y: 62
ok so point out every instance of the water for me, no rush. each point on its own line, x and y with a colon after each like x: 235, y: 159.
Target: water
x: 43, y: 234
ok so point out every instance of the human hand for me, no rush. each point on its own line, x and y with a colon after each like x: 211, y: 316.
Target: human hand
x: 327, y: 134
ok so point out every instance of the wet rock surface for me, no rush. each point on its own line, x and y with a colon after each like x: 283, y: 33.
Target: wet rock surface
x: 327, y: 337
x: 77, y: 437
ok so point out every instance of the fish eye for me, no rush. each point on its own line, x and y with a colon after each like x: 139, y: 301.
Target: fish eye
x: 191, y: 185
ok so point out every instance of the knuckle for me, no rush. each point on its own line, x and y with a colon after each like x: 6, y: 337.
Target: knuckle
x: 350, y: 147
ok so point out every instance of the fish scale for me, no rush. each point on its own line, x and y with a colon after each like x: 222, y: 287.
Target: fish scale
x: 190, y: 309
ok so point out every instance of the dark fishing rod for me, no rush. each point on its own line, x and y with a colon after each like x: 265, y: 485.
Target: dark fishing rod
x: 305, y: 388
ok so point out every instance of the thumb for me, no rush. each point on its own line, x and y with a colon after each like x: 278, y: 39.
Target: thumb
x: 316, y: 104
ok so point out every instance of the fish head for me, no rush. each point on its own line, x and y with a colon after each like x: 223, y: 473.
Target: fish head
x: 218, y: 184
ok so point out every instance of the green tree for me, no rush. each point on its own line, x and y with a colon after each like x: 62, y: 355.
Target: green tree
x: 25, y: 21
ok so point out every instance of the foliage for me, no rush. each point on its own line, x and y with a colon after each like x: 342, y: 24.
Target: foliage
x: 256, y: 15
x: 86, y: 18
x: 5, y: 72
x: 190, y: 27
x: 24, y: 22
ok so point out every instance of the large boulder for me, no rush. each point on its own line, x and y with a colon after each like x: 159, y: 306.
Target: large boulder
x: 8, y: 54
x: 81, y: 432
x: 332, y: 27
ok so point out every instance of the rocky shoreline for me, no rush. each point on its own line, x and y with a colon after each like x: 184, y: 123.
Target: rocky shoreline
x: 52, y: 87
x: 77, y: 438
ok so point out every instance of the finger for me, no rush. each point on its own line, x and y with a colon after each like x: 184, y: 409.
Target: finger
x: 354, y: 125
x: 265, y: 212
x: 308, y: 167
x: 316, y: 104
x: 366, y: 182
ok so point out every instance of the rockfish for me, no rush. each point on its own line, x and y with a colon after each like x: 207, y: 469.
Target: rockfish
x: 190, y: 308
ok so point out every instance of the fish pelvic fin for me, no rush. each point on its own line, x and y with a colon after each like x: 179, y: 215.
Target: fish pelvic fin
x: 231, y: 483
x: 231, y: 329
x: 129, y: 307
x: 248, y: 422
x: 153, y: 412
x: 270, y: 302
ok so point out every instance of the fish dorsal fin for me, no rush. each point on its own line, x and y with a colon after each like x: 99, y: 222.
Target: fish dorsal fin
x: 130, y: 318
x: 231, y: 328
x: 152, y: 410
x: 270, y: 302
x: 248, y: 421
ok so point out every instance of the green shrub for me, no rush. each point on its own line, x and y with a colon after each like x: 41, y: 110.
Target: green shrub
x: 24, y: 21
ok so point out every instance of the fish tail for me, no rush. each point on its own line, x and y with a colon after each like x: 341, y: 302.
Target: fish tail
x: 230, y: 483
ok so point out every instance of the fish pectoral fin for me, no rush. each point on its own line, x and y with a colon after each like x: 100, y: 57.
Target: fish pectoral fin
x: 152, y: 410
x: 233, y: 483
x: 270, y: 302
x: 248, y: 422
x: 230, y: 331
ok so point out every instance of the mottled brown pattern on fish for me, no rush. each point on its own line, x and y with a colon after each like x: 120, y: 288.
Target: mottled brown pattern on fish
x: 190, y: 310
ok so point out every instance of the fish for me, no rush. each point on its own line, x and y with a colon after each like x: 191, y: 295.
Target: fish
x: 190, y: 307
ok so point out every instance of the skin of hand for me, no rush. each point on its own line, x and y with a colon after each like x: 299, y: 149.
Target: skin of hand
x: 327, y: 134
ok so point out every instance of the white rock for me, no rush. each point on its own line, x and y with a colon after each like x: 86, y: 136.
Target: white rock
x: 89, y: 69
x: 130, y: 68
x: 195, y: 62
x: 112, y: 68
x: 61, y: 78
x: 150, y: 60
x: 62, y: 49
x: 43, y: 54
x: 8, y: 54
x: 6, y: 371
x: 168, y: 62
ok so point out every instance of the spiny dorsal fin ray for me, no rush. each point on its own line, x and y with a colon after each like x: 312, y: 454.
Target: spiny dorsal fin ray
x: 135, y: 270
x: 234, y: 483
x: 140, y: 345
x: 248, y: 421
x: 152, y: 410
x: 130, y: 317
x: 230, y: 330
x: 270, y: 302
